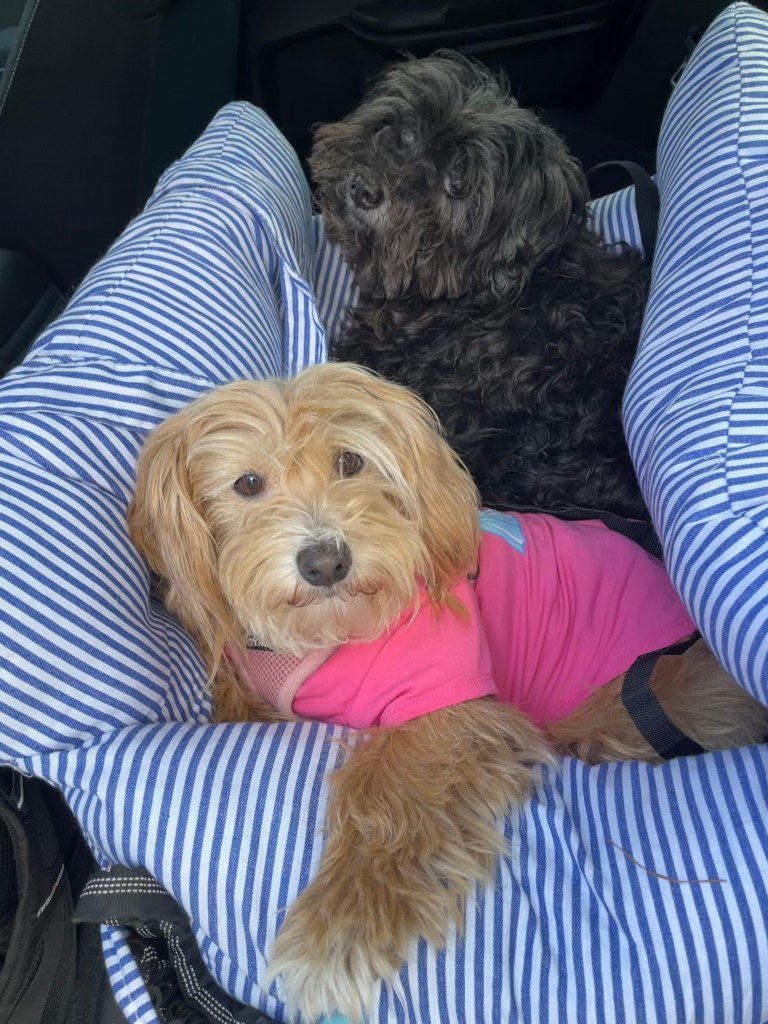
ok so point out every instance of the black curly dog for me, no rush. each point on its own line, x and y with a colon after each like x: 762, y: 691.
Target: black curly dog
x: 464, y: 221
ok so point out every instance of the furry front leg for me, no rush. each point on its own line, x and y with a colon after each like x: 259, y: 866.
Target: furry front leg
x: 411, y: 829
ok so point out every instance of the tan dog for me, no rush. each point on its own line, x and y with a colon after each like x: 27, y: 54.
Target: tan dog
x: 230, y: 494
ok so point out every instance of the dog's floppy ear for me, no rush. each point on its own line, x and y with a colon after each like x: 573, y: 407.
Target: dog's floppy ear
x: 169, y: 530
x: 544, y: 202
x: 447, y: 497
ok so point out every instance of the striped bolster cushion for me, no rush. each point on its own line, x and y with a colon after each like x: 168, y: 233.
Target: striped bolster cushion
x: 630, y: 893
x: 696, y: 408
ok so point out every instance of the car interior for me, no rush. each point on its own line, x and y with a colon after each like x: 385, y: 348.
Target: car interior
x: 98, y: 97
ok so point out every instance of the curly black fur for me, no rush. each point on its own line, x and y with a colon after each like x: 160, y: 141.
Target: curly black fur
x: 464, y: 221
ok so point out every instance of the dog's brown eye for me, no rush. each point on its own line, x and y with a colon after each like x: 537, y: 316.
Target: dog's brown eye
x: 456, y: 186
x: 348, y: 463
x: 249, y: 485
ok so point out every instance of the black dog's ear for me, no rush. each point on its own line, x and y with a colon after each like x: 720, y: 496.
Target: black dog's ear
x: 544, y: 199
x: 459, y: 174
x: 563, y: 196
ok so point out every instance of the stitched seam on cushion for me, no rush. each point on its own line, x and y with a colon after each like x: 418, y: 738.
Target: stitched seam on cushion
x: 163, y: 189
x: 19, y: 52
x: 750, y: 213
x: 86, y: 416
x: 118, y: 282
x: 190, y: 193
x: 52, y: 362
x: 19, y: 453
x: 76, y: 411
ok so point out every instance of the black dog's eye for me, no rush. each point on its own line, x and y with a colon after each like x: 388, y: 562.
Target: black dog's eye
x: 457, y: 175
x: 250, y: 485
x: 455, y: 185
x: 348, y: 463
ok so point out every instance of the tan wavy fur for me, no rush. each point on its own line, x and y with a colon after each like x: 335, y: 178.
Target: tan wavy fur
x: 412, y: 821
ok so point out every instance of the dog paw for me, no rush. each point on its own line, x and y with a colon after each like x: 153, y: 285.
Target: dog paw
x: 324, y: 965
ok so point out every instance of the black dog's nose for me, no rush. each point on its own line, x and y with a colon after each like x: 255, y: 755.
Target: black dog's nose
x: 324, y: 563
x: 364, y: 195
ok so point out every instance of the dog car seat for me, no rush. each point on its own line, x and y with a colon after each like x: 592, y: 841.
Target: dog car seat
x: 630, y: 892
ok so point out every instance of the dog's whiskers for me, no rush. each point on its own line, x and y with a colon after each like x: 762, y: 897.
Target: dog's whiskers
x: 296, y: 601
x: 366, y: 591
x: 336, y: 592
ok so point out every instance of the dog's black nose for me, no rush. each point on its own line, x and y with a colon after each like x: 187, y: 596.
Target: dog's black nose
x: 324, y: 563
x: 364, y: 195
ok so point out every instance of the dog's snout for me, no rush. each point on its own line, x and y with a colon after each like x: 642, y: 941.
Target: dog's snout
x: 364, y: 195
x: 324, y: 563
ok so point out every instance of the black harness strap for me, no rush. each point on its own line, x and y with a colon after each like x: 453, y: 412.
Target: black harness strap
x: 649, y: 717
x: 646, y: 200
x: 164, y: 947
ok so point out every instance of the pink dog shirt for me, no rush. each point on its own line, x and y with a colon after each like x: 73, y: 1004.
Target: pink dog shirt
x: 557, y: 610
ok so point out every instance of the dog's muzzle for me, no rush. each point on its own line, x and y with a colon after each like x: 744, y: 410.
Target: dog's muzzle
x: 364, y: 195
x: 324, y: 563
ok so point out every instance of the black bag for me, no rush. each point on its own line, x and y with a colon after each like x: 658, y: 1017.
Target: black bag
x: 51, y: 962
x: 164, y: 947
x: 44, y: 863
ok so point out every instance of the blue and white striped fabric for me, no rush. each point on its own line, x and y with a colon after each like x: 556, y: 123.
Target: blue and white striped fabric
x: 696, y: 409
x: 630, y: 893
x: 615, y: 218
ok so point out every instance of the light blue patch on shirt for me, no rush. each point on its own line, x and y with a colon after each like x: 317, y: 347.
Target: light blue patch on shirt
x: 504, y: 525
